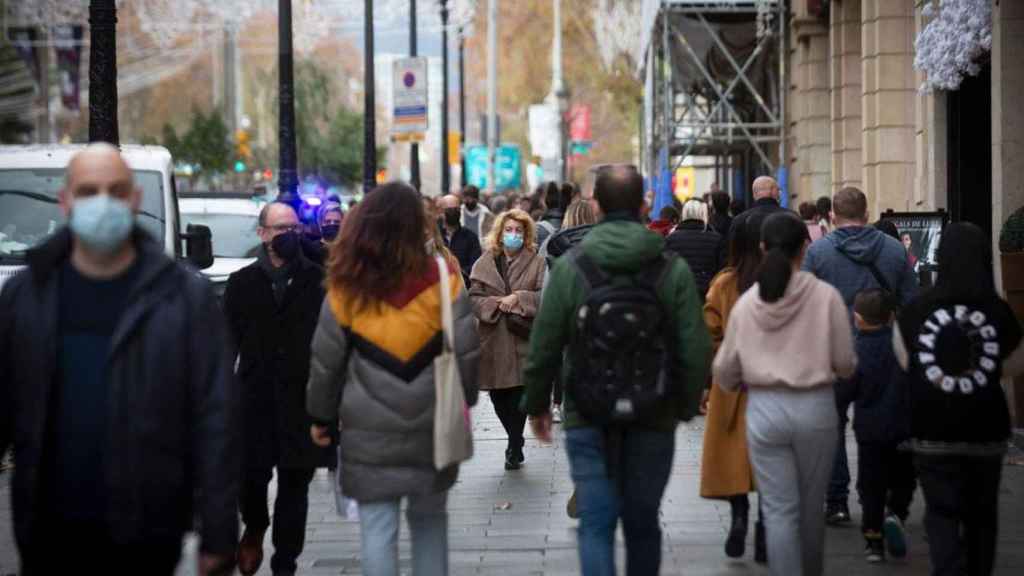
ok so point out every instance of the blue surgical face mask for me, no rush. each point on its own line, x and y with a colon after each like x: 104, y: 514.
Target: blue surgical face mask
x: 512, y: 240
x: 102, y: 223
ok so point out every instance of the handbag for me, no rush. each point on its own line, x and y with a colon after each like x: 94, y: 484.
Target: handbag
x: 453, y: 437
x: 519, y: 326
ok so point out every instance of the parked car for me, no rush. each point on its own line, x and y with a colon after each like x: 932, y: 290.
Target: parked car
x: 232, y: 219
x: 32, y: 176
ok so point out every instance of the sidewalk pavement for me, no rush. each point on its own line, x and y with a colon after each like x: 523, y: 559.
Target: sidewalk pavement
x: 514, y: 523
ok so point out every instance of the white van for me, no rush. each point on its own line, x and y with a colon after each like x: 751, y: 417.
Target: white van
x: 233, y: 219
x: 32, y: 176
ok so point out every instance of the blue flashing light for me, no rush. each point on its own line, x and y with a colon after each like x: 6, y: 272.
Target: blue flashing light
x: 313, y: 201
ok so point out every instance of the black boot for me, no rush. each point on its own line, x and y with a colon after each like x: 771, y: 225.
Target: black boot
x: 736, y: 543
x: 760, y: 546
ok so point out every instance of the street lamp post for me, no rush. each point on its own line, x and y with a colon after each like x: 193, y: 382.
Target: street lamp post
x: 414, y: 149
x: 369, y: 103
x: 462, y: 108
x: 103, y: 72
x: 446, y: 172
x: 288, y: 180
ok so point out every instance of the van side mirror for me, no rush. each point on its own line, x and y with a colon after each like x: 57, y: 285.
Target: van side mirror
x: 198, y: 246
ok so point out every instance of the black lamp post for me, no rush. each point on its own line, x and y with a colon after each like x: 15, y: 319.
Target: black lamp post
x: 462, y: 108
x: 103, y: 72
x: 414, y: 149
x: 369, y: 103
x: 446, y: 172
x: 288, y: 177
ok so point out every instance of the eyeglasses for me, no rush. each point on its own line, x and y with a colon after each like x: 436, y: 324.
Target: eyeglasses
x: 283, y: 227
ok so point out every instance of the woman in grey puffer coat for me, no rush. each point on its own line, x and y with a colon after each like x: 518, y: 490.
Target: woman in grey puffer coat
x: 371, y: 375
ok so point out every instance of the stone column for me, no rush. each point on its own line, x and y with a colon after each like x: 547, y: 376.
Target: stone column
x: 1008, y: 149
x: 811, y: 108
x: 847, y: 125
x: 888, y: 104
x: 1007, y: 112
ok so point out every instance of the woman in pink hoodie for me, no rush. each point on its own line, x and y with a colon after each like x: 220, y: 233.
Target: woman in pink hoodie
x: 788, y: 339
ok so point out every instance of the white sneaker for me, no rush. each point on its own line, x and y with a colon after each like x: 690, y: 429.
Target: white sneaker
x: 556, y: 414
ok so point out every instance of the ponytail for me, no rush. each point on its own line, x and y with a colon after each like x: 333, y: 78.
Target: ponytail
x: 773, y: 276
x: 784, y: 236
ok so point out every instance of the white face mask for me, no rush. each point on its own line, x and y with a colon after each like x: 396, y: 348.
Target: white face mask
x: 102, y: 223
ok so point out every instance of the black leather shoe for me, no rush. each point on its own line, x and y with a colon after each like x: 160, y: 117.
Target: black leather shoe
x: 736, y: 543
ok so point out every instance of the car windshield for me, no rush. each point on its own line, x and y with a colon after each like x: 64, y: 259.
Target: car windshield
x: 29, y: 209
x: 234, y: 235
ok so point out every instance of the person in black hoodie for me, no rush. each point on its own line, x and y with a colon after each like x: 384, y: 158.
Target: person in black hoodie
x: 957, y: 341
x: 885, y: 474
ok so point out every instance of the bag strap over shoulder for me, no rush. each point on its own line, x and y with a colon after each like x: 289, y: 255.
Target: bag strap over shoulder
x: 593, y: 276
x: 653, y: 273
x: 447, y: 323
x: 879, y: 277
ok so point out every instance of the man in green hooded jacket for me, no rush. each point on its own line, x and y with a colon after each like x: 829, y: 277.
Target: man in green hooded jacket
x: 621, y: 247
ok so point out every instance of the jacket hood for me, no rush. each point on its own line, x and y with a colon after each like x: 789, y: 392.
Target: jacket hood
x: 776, y: 315
x: 862, y: 243
x: 622, y: 245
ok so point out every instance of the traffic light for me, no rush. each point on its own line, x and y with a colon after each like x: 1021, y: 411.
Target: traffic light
x: 243, y: 150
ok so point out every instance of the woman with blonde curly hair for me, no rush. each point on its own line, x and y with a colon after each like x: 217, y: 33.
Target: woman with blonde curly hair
x: 505, y: 287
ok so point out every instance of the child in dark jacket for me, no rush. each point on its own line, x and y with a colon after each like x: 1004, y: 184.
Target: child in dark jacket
x: 885, y: 474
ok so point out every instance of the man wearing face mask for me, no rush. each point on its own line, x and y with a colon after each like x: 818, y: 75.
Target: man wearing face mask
x: 475, y: 216
x: 464, y: 244
x: 272, y: 308
x: 116, y: 392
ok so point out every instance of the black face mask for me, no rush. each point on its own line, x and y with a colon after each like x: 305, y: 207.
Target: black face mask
x: 286, y: 245
x: 470, y: 205
x: 330, y: 231
x: 452, y: 216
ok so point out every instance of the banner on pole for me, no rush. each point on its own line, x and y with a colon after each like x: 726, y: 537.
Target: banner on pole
x: 544, y: 131
x: 24, y: 42
x: 68, y: 43
x: 409, y: 117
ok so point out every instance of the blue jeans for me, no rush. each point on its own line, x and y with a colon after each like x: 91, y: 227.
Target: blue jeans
x: 839, y: 485
x: 428, y: 525
x: 634, y: 494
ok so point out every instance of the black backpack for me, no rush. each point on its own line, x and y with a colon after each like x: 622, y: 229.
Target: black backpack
x: 622, y: 349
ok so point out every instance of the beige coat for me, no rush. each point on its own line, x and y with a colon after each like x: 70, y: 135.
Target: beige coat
x: 502, y: 354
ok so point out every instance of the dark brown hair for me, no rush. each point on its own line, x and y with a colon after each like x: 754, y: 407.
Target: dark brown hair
x: 381, y: 244
x: 808, y: 211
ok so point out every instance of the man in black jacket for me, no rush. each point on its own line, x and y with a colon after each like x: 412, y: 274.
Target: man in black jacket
x: 464, y: 244
x: 116, y: 392
x: 272, y: 307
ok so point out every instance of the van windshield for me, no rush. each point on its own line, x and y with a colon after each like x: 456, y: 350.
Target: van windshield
x: 29, y: 209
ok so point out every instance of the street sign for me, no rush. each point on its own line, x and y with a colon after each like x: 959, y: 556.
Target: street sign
x: 409, y: 117
x: 507, y: 166
x: 544, y: 127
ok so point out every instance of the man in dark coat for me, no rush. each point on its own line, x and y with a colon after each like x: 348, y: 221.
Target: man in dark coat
x: 464, y: 244
x: 272, y: 307
x: 116, y: 392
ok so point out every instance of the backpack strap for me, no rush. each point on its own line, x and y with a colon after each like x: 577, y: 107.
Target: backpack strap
x: 592, y: 275
x: 879, y: 277
x: 653, y: 273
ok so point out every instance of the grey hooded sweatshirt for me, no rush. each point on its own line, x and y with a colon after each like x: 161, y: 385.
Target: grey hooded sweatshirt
x: 850, y: 274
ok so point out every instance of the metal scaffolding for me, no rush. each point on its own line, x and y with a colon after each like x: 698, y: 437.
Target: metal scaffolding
x: 715, y: 87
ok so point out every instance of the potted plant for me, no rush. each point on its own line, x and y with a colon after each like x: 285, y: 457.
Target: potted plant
x: 1011, y: 254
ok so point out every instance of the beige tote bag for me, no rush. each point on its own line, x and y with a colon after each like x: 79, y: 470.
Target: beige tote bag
x: 453, y: 437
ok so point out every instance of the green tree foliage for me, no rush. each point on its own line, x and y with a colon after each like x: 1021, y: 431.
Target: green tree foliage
x: 206, y: 144
x: 329, y: 136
